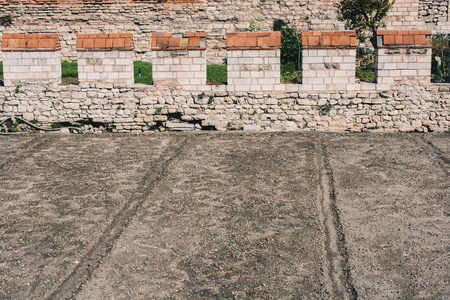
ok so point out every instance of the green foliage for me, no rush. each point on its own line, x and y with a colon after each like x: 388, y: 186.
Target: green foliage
x: 210, y: 100
x: 365, y: 74
x: 440, y: 58
x: 201, y: 96
x: 145, y: 75
x: 324, y: 109
x: 69, y: 69
x: 1, y: 68
x: 57, y: 125
x: 278, y: 25
x: 363, y: 16
x: 11, y: 126
x: 158, y: 110
x: 289, y: 74
x: 290, y: 47
x: 5, y: 20
x: 253, y: 27
x: 216, y: 73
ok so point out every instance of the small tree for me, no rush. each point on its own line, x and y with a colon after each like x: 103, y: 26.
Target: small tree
x: 364, y: 16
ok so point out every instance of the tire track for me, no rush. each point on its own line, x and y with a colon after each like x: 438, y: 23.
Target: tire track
x: 336, y: 266
x: 443, y: 161
x: 92, y: 260
x: 33, y: 145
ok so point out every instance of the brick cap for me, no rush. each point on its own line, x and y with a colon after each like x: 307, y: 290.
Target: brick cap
x: 36, y: 42
x: 105, y: 42
x: 254, y: 40
x: 404, y: 38
x: 178, y: 41
x: 329, y: 39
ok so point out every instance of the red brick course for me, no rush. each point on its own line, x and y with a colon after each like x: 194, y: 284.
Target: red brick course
x: 185, y: 41
x: 329, y: 39
x: 405, y: 38
x: 19, y: 42
x: 253, y: 40
x: 105, y: 42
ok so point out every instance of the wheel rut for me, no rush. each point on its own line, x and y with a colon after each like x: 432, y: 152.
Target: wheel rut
x: 338, y: 280
x: 82, y: 273
x: 444, y: 160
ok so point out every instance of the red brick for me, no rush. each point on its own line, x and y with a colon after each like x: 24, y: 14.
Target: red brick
x: 408, y: 40
x: 119, y: 43
x: 109, y: 43
x: 325, y: 41
x: 88, y: 43
x: 174, y: 42
x: 344, y: 40
x: 420, y: 39
x: 389, y: 40
x: 399, y: 39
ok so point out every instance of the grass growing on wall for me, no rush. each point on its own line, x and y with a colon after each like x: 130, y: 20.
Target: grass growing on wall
x: 216, y: 74
x: 365, y: 64
x: 146, y: 75
x: 69, y: 69
x: 289, y: 74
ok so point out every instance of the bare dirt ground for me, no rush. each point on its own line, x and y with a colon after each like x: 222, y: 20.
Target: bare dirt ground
x: 225, y: 216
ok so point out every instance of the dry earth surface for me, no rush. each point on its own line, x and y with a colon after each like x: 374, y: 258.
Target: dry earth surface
x: 225, y: 216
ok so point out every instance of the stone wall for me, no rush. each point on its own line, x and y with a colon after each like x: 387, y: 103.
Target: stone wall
x: 142, y: 108
x: 433, y: 11
x: 216, y: 18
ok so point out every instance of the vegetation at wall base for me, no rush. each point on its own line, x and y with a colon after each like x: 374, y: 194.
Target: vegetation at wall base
x: 69, y: 69
x: 440, y: 61
x: 365, y: 65
x: 289, y: 73
x: 146, y: 73
x: 365, y: 74
x: 216, y: 74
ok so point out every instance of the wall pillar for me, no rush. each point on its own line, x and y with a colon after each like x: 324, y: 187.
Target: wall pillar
x: 106, y: 58
x: 31, y: 58
x: 403, y: 56
x: 179, y: 59
x: 328, y: 60
x: 253, y: 61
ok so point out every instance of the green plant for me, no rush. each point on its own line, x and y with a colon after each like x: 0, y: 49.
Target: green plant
x: 364, y: 16
x: 229, y: 125
x: 119, y: 107
x: 289, y: 74
x: 143, y: 72
x: 17, y: 89
x: 201, y: 96
x: 350, y: 104
x: 216, y: 73
x: 366, y: 75
x: 5, y: 20
x: 253, y: 27
x: 11, y: 126
x: 56, y: 125
x: 290, y: 47
x: 210, y: 100
x: 254, y: 112
x: 326, y: 108
x: 158, y: 110
x: 440, y: 57
x: 69, y: 69
x: 1, y: 68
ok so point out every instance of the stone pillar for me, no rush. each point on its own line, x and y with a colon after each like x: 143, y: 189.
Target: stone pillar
x: 31, y: 58
x: 179, y: 59
x: 403, y: 56
x: 105, y: 58
x: 253, y: 61
x: 328, y: 60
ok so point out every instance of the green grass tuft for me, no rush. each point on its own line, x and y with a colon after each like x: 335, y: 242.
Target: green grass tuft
x: 69, y: 69
x: 146, y: 72
x: 365, y: 74
x: 216, y: 73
